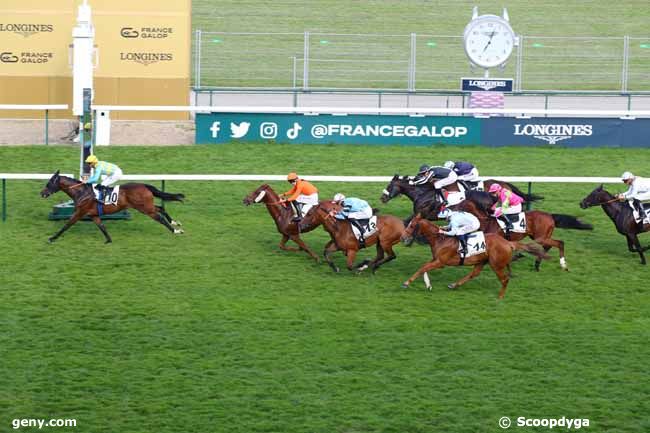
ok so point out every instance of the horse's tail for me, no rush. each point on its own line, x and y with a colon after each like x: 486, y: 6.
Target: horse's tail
x: 164, y: 195
x: 520, y: 193
x: 570, y: 222
x: 531, y: 248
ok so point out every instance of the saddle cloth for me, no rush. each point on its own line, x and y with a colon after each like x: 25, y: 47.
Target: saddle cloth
x: 475, y: 244
x: 110, y: 195
x: 518, y: 222
x: 454, y: 198
x: 369, y: 229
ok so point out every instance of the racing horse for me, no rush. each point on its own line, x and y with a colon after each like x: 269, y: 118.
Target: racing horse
x: 388, y: 233
x: 138, y: 196
x: 282, y: 216
x: 424, y: 197
x: 621, y: 215
x: 444, y: 250
x: 539, y: 226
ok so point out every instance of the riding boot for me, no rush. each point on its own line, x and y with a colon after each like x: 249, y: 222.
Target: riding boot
x: 463, y: 243
x: 508, y: 224
x: 100, y: 191
x: 298, y: 211
x: 443, y: 200
x: 639, y: 208
x: 357, y: 224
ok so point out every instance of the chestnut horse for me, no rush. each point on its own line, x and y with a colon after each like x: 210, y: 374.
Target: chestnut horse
x: 539, y: 227
x: 444, y: 250
x: 389, y: 231
x: 282, y: 216
x: 138, y: 196
x: 621, y: 214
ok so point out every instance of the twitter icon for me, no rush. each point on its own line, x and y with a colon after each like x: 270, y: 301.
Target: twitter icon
x: 238, y: 131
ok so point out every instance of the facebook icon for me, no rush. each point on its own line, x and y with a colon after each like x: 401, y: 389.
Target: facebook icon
x: 215, y: 128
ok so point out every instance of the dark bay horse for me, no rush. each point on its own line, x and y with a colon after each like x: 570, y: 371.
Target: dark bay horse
x: 389, y: 231
x: 282, y: 216
x: 424, y: 197
x: 621, y: 215
x: 138, y: 196
x: 539, y: 227
x: 444, y: 250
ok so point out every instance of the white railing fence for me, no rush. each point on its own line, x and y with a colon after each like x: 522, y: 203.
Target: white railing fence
x: 272, y: 177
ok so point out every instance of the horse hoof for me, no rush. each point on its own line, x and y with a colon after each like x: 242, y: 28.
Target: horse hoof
x: 429, y: 288
x: 50, y: 240
x: 405, y: 286
x: 178, y: 231
x: 108, y: 242
x: 451, y: 286
x: 176, y: 223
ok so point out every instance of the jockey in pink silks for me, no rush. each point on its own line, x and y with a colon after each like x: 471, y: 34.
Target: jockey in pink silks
x: 508, y: 203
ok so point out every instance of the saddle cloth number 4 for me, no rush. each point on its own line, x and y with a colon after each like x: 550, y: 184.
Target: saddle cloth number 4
x: 518, y: 223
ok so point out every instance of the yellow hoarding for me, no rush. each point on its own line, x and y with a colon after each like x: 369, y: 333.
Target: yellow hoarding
x: 134, y: 39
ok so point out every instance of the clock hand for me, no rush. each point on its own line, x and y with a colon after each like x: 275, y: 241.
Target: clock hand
x: 489, y: 41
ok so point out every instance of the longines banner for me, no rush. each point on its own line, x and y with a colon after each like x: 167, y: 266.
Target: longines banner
x: 143, y: 38
x: 421, y: 131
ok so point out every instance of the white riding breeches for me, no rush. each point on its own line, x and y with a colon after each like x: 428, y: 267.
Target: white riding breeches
x: 363, y: 214
x: 307, y: 202
x: 512, y: 210
x: 113, y: 178
x: 642, y: 196
x: 472, y: 176
x: 446, y: 181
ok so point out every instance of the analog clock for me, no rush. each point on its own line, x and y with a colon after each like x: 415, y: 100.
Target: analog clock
x: 489, y: 40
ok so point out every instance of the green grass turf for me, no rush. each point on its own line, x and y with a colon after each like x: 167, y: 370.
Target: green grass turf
x: 219, y: 331
x: 381, y: 61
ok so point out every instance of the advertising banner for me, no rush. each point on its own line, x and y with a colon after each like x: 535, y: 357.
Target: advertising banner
x: 34, y: 44
x: 486, y: 84
x: 567, y: 132
x: 327, y: 128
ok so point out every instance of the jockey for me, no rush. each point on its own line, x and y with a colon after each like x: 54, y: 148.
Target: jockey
x: 639, y: 191
x: 508, y: 203
x: 460, y: 225
x: 107, y: 172
x: 439, y: 176
x: 302, y: 195
x: 465, y: 171
x: 355, y: 210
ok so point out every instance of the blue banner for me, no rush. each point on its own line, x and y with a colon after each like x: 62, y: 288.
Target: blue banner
x: 565, y: 131
x: 345, y: 129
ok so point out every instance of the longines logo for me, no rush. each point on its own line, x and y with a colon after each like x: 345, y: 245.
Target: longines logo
x: 146, y: 58
x: 553, y: 133
x: 26, y: 30
x: 26, y: 57
x: 146, y: 32
x: 487, y: 84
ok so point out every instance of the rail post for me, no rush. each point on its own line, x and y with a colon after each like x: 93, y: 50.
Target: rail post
x: 530, y: 191
x: 162, y: 186
x: 47, y: 135
x: 4, y: 200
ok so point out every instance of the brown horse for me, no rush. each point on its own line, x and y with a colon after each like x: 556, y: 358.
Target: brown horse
x: 444, y: 250
x: 539, y: 227
x: 389, y: 231
x: 138, y: 196
x: 282, y: 216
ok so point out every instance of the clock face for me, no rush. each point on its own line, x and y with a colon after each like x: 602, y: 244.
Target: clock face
x: 489, y: 41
